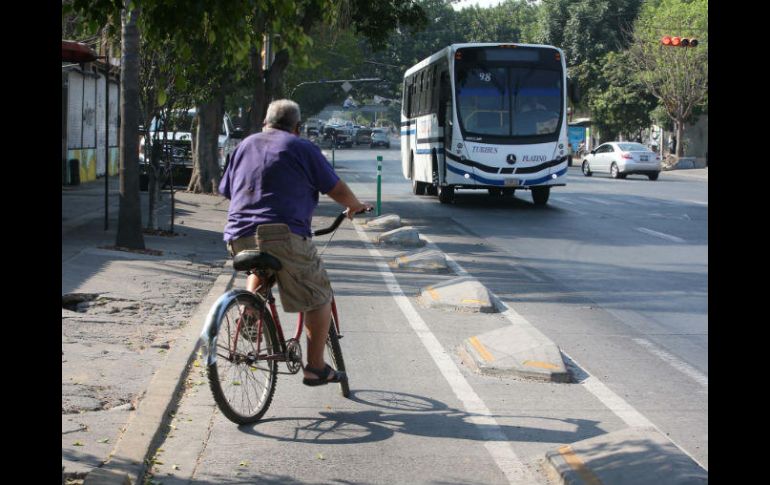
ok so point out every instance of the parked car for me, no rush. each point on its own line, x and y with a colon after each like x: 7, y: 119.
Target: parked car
x: 341, y: 134
x: 176, y: 150
x: 621, y: 158
x: 379, y: 138
x: 363, y: 136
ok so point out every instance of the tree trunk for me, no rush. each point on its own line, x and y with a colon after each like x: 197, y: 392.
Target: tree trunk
x: 206, y: 171
x: 267, y: 88
x: 679, y: 139
x: 129, y: 232
x: 154, y: 183
x: 258, y: 106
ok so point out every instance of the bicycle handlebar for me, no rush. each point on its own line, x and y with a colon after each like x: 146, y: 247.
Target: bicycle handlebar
x: 337, y: 222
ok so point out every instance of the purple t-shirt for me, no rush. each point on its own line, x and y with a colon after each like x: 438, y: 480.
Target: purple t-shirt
x: 274, y: 177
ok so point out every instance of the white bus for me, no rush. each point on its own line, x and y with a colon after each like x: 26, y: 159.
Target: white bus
x: 486, y: 116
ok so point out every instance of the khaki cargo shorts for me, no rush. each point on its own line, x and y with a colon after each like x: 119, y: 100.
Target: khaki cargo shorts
x: 302, y: 281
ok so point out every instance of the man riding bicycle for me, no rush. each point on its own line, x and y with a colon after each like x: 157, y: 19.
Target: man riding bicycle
x: 273, y: 181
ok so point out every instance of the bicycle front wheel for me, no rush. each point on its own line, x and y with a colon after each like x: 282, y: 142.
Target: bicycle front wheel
x: 242, y: 380
x: 335, y: 353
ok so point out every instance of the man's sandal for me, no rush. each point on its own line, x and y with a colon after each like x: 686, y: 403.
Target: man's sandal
x: 323, y: 376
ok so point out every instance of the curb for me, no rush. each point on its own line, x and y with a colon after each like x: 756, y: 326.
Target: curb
x: 632, y: 456
x: 144, y: 430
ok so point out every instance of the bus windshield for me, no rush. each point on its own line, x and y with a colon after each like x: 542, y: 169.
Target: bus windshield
x: 508, y: 98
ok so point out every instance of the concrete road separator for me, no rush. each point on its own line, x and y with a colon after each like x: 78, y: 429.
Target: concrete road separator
x: 425, y: 260
x: 403, y: 236
x: 459, y: 294
x: 384, y: 222
x: 145, y: 428
x: 633, y: 456
x: 515, y: 351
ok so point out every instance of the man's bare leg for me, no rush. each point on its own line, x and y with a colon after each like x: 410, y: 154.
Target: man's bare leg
x: 317, y: 329
x: 252, y: 283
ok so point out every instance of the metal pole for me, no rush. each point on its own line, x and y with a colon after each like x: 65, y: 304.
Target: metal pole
x: 334, y: 145
x: 107, y: 144
x: 379, y: 184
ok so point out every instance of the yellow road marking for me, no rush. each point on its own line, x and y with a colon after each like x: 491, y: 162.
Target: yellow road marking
x: 468, y: 300
x: 573, y: 461
x: 542, y: 365
x: 482, y: 350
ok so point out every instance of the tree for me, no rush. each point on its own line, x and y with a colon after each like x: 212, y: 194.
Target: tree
x: 373, y: 20
x: 587, y: 30
x: 619, y: 102
x: 676, y: 76
x: 129, y: 232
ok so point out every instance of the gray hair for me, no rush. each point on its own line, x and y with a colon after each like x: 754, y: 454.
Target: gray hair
x: 282, y: 114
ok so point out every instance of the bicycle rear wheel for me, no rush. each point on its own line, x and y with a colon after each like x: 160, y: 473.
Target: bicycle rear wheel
x: 335, y: 353
x: 242, y: 381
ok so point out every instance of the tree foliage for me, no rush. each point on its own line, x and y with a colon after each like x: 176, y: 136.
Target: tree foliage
x: 619, y: 103
x: 587, y: 30
x: 343, y: 54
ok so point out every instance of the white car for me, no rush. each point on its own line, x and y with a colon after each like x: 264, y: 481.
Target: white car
x: 379, y: 138
x: 621, y: 158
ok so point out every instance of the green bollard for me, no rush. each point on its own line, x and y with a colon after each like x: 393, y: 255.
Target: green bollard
x: 379, y: 184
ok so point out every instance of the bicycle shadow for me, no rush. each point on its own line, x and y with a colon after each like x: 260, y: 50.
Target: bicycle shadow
x: 403, y: 413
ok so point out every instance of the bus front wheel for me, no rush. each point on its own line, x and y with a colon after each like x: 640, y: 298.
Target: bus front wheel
x: 540, y: 195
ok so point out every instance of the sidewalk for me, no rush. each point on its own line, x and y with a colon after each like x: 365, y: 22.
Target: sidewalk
x: 701, y: 173
x: 123, y: 312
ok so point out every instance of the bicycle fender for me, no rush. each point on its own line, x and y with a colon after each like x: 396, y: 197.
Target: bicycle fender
x: 210, y: 330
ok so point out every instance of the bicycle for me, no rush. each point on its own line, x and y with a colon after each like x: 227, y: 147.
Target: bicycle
x: 243, y: 341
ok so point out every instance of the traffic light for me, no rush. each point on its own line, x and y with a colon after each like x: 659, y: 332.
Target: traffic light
x: 676, y: 41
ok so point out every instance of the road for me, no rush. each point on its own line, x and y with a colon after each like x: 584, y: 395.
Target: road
x: 615, y: 272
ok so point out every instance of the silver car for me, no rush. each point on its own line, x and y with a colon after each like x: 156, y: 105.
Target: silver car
x: 621, y: 158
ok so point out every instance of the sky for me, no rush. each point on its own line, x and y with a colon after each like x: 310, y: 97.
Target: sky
x: 481, y: 3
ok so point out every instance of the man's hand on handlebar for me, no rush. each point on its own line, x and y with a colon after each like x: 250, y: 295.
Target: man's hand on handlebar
x: 358, y: 209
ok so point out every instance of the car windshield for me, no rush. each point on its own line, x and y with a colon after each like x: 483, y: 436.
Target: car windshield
x: 633, y: 147
x: 517, y: 97
x: 178, y: 121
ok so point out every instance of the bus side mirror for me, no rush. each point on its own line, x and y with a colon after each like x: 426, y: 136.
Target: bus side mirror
x: 573, y: 91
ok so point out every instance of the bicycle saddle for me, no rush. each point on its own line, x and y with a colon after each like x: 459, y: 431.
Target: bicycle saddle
x: 251, y: 259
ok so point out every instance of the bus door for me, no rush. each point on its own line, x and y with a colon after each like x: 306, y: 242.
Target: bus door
x: 445, y: 123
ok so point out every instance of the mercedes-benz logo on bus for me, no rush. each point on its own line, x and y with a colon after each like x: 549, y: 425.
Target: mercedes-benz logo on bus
x: 511, y: 159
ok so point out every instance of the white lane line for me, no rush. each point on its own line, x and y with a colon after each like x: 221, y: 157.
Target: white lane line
x: 569, y: 209
x: 597, y: 201
x: 660, y: 235
x: 697, y: 202
x: 496, y: 442
x: 677, y: 364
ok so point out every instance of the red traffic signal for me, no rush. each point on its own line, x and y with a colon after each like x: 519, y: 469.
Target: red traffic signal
x: 676, y: 41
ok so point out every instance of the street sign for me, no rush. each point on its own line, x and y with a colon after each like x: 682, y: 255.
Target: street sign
x: 347, y: 86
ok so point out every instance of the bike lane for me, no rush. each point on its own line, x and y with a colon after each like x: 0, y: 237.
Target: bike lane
x: 402, y: 423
